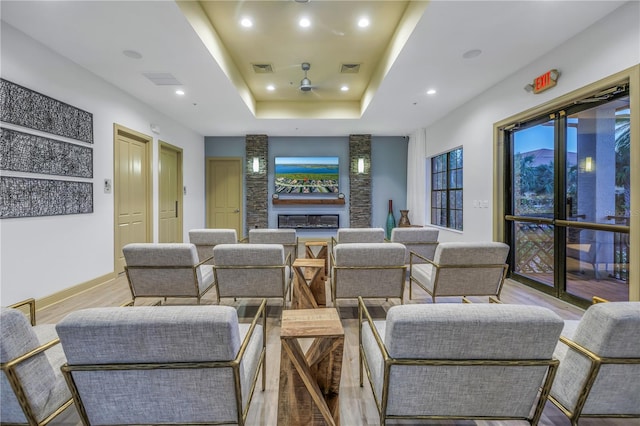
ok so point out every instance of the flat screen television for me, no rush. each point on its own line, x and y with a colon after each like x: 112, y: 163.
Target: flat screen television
x: 306, y: 175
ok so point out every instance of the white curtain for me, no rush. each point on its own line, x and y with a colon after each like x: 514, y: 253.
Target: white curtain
x: 416, y: 177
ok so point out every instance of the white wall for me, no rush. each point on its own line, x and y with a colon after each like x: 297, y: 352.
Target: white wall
x: 607, y: 47
x: 44, y: 255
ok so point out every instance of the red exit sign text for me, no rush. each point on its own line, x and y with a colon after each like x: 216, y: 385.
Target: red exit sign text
x: 545, y: 81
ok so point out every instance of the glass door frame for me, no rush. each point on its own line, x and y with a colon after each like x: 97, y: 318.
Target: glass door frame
x: 501, y: 185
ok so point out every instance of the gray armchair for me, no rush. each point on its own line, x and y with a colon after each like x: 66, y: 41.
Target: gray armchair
x: 206, y: 239
x: 170, y: 365
x: 252, y: 270
x: 599, y: 373
x: 32, y: 387
x: 286, y: 237
x: 459, y: 361
x: 165, y: 270
x: 461, y: 269
x: 422, y: 241
x: 370, y: 270
x: 358, y: 235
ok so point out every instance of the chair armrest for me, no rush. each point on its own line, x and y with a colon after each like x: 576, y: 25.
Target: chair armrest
x: 413, y: 254
x: 203, y: 262
x: 260, y: 313
x: 579, y: 349
x: 364, y: 312
x: 30, y: 354
x: 31, y: 302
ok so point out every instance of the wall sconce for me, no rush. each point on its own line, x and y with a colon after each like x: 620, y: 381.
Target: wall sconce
x: 360, y: 165
x: 256, y: 165
x: 588, y: 164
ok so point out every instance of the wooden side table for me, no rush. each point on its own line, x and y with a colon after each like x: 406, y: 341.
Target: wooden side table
x: 313, y: 294
x: 310, y: 383
x: 322, y: 254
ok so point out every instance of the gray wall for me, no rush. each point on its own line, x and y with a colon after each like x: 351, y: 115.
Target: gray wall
x: 388, y: 168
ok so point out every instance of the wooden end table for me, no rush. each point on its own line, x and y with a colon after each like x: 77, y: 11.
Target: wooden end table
x: 310, y: 383
x: 313, y: 294
x: 322, y: 254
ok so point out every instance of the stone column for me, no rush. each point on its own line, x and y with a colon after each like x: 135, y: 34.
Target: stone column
x: 256, y: 146
x: 359, y: 183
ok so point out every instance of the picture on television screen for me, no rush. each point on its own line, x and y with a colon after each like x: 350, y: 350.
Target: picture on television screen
x: 306, y: 175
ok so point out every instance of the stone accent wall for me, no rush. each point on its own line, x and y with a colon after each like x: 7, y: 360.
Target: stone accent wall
x: 256, y: 189
x: 359, y: 183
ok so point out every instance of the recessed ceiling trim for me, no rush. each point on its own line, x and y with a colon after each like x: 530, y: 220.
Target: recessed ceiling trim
x: 262, y: 68
x: 162, y: 78
x: 350, y: 68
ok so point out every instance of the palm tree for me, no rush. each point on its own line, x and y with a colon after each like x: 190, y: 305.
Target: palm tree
x: 623, y: 162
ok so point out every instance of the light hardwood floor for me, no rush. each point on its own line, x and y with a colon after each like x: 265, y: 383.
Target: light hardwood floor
x: 357, y: 406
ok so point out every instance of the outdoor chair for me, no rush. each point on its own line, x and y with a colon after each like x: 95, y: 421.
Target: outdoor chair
x: 422, y: 241
x: 459, y: 361
x: 370, y: 270
x: 461, y: 269
x: 33, y: 389
x: 599, y: 373
x: 169, y: 365
x: 166, y: 270
x: 252, y: 270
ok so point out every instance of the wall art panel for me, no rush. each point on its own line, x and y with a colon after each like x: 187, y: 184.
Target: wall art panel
x: 27, y: 108
x: 26, y: 197
x: 23, y: 152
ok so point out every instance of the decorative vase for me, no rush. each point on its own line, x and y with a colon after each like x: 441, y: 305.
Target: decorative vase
x: 391, y: 221
x: 404, y: 218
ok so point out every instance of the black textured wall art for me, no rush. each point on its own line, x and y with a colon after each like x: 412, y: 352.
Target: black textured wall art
x: 25, y: 197
x: 27, y: 108
x: 24, y: 152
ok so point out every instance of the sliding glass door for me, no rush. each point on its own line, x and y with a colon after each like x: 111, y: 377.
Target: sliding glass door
x: 567, y: 213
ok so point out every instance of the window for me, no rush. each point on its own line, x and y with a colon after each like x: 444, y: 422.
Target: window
x: 446, y: 189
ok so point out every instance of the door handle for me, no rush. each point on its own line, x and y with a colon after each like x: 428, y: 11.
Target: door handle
x: 236, y: 211
x: 176, y: 208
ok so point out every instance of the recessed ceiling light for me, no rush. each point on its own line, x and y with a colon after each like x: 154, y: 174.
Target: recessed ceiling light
x: 470, y: 54
x: 246, y: 22
x: 132, y: 54
x: 431, y: 92
x: 363, y: 22
x: 271, y: 88
x: 304, y: 23
x: 179, y: 92
x: 345, y: 88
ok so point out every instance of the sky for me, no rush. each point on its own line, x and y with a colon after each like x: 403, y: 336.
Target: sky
x: 541, y: 136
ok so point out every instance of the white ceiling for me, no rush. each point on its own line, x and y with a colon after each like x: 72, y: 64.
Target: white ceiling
x: 511, y: 34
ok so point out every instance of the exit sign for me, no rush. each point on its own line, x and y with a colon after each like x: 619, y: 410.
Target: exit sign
x: 545, y: 81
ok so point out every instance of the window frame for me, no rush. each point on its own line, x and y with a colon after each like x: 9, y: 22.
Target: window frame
x: 447, y: 189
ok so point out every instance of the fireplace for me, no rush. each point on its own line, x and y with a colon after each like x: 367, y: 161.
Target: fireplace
x: 309, y: 221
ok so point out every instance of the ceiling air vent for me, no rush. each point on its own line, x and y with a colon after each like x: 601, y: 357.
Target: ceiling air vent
x: 262, y: 68
x: 350, y: 68
x: 162, y: 79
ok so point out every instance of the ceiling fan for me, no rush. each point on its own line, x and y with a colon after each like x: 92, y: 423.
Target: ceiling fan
x: 305, y: 83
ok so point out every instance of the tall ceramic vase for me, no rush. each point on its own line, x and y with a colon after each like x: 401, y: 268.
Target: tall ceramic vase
x: 391, y: 221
